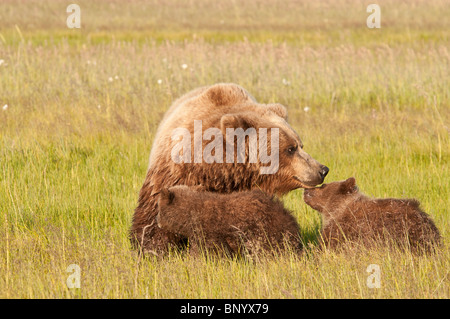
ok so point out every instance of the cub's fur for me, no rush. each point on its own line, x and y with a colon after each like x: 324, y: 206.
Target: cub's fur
x: 228, y: 223
x: 349, y: 216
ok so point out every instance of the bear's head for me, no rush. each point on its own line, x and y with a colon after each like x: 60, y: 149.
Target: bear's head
x: 330, y: 198
x: 174, y: 201
x: 281, y: 163
x: 222, y: 138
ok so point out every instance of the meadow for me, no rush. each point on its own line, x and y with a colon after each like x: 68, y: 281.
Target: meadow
x: 79, y: 109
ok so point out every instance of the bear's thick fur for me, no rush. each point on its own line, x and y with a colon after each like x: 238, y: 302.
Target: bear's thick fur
x: 219, y: 106
x: 351, y: 217
x: 238, y: 223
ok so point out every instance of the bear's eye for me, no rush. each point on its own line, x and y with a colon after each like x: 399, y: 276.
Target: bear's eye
x: 292, y: 149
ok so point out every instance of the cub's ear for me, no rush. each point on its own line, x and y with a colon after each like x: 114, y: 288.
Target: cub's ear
x: 166, y: 197
x: 236, y: 120
x: 349, y: 186
x: 278, y: 109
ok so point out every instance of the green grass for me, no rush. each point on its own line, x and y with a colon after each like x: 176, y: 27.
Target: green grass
x: 75, y: 140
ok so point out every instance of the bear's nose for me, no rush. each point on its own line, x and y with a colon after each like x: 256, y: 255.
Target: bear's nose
x: 324, y: 171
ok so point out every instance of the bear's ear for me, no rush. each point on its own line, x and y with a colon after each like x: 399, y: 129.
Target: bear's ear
x: 349, y: 186
x: 166, y: 196
x: 236, y: 120
x: 223, y: 94
x: 278, y: 109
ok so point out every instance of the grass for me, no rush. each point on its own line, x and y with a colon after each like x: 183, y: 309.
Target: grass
x: 83, y: 107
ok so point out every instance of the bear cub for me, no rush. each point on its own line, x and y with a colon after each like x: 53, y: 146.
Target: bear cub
x: 349, y: 217
x: 241, y: 223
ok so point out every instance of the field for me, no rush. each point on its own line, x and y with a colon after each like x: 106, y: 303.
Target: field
x: 79, y: 109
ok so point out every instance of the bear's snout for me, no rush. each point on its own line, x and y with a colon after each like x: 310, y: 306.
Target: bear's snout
x: 323, y: 171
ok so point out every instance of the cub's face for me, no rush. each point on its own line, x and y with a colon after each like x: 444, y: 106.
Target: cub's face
x: 329, y: 197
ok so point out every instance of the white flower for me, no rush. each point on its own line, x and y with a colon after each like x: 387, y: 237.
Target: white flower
x: 159, y: 81
x: 285, y: 82
x: 5, y: 107
x: 99, y: 106
x: 2, y: 61
x: 184, y: 66
x: 110, y: 79
x: 116, y: 77
x: 306, y: 108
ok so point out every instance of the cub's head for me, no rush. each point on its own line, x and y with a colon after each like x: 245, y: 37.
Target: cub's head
x: 175, y: 199
x: 329, y: 198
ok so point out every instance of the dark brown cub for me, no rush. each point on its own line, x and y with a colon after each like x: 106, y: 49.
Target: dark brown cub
x: 349, y: 216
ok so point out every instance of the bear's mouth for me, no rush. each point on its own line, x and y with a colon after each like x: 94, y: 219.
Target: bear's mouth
x: 302, y: 184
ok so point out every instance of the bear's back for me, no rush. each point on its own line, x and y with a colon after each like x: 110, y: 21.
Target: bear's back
x: 252, y: 218
x: 247, y: 210
x: 372, y: 221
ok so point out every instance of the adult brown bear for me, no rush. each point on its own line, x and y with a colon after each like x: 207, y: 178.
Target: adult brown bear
x: 195, y: 145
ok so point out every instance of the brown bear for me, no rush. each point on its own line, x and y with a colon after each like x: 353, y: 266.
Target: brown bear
x: 208, y: 137
x: 349, y: 217
x: 239, y: 223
